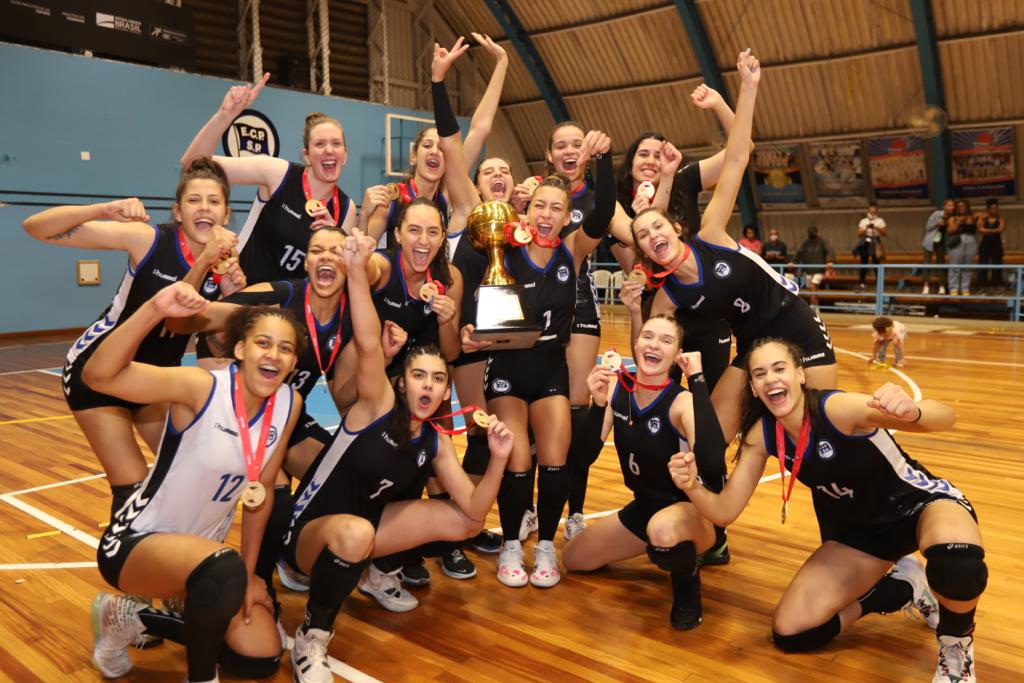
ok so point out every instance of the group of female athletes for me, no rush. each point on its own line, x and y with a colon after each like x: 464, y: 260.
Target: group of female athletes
x: 390, y: 329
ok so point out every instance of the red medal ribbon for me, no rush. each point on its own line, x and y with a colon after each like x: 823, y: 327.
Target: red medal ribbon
x: 798, y: 457
x: 189, y: 258
x: 253, y: 461
x: 430, y: 278
x: 309, y: 195
x: 577, y: 191
x: 656, y: 280
x: 623, y: 372
x: 457, y: 430
x: 311, y: 326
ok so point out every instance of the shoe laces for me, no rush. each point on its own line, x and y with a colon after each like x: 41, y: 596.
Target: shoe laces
x: 391, y: 583
x: 458, y: 556
x: 122, y: 617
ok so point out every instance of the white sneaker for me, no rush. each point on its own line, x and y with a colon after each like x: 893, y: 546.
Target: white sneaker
x: 545, y: 565
x: 528, y: 525
x: 942, y: 289
x: 291, y: 579
x: 574, y: 524
x: 309, y: 656
x: 115, y: 622
x: 923, y: 605
x: 956, y: 660
x: 387, y: 590
x: 511, y: 570
x: 926, y: 289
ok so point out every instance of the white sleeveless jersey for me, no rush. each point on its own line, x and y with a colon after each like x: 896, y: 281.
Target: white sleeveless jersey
x: 199, y: 473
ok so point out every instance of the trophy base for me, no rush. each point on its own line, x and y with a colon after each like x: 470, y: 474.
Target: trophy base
x: 502, y: 317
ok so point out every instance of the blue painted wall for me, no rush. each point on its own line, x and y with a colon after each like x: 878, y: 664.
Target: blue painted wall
x: 135, y: 122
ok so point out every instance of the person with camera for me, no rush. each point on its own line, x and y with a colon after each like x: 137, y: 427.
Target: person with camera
x: 870, y: 231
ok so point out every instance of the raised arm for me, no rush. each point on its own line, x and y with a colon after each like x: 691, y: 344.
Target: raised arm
x: 737, y: 154
x: 111, y: 369
x: 483, y: 117
x: 461, y: 192
x: 704, y: 97
x: 597, y: 145
x: 108, y: 225
x: 889, y: 408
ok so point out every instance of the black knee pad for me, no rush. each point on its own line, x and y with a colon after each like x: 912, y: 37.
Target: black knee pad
x: 477, y: 456
x: 216, y: 588
x: 811, y: 639
x: 243, y: 666
x: 956, y: 570
x: 679, y: 559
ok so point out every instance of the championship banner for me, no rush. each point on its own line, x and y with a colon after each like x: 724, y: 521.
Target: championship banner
x: 777, y: 174
x: 838, y: 173
x: 983, y: 162
x: 897, y: 167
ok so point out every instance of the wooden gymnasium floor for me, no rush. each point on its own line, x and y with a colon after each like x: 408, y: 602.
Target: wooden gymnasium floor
x: 607, y: 626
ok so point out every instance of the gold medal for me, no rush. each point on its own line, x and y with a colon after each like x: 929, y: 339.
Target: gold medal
x: 428, y: 290
x: 253, y: 495
x: 532, y: 183
x: 523, y: 235
x: 646, y: 190
x: 637, y: 277
x: 221, y: 267
x: 393, y: 191
x: 482, y: 419
x: 612, y: 360
x: 314, y: 205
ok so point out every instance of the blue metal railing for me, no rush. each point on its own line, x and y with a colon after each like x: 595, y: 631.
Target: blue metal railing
x: 885, y: 295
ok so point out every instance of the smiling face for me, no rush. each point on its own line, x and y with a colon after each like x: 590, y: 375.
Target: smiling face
x: 427, y: 158
x: 549, y: 211
x: 657, y: 237
x: 647, y: 162
x: 564, y: 151
x: 326, y: 153
x: 776, y: 378
x: 426, y: 384
x: 657, y: 346
x: 323, y: 262
x: 420, y: 236
x: 201, y: 206
x: 267, y: 354
x: 494, y: 179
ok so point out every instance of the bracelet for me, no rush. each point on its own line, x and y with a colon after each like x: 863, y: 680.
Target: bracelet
x: 920, y: 414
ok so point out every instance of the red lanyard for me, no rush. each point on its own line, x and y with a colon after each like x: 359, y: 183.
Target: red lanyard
x: 623, y: 372
x: 189, y: 258
x: 656, y: 280
x: 458, y: 430
x: 405, y: 276
x: 253, y: 461
x: 311, y: 326
x: 309, y: 195
x: 798, y: 457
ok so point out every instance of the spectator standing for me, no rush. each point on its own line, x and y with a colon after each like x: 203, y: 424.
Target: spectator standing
x: 813, y: 251
x: 962, y: 246
x: 870, y: 231
x: 934, y: 243
x: 991, y: 227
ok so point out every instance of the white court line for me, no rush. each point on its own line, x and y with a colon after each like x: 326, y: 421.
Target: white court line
x: 967, y: 361
x: 47, y: 518
x: 55, y: 485
x: 46, y: 565
x: 343, y: 669
x: 916, y: 390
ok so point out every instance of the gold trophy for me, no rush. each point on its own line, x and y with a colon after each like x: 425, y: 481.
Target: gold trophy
x: 502, y: 314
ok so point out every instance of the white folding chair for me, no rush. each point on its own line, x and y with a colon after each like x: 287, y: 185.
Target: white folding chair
x: 602, y: 281
x: 617, y: 280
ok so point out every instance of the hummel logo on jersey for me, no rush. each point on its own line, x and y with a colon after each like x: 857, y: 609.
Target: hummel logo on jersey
x: 164, y: 276
x: 699, y: 302
x: 619, y: 415
x: 226, y: 430
x: 722, y: 269
x: 290, y: 211
x: 392, y: 304
x: 387, y: 438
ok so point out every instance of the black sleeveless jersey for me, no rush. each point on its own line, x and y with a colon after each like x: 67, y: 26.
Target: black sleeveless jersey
x: 735, y: 285
x: 407, y: 192
x: 360, y: 472
x: 272, y: 243
x: 549, y: 291
x: 966, y: 224
x: 471, y: 264
x: 991, y: 224
x: 394, y: 302
x: 291, y: 294
x: 859, y: 481
x: 645, y: 440
x: 162, y: 265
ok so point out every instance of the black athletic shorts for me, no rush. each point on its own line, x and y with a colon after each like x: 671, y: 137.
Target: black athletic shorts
x: 529, y: 374
x: 889, y: 542
x: 636, y: 514
x: 113, y: 552
x: 587, y: 314
x: 713, y: 339
x: 797, y: 324
x: 470, y: 358
x: 79, y: 395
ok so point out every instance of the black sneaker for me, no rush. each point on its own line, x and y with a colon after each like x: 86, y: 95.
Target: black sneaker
x: 716, y: 556
x: 486, y: 542
x: 415, y: 574
x: 687, y: 612
x: 457, y: 566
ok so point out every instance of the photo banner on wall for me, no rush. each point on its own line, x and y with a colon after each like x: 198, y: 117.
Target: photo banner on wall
x: 838, y: 173
x: 777, y: 174
x: 983, y: 162
x: 898, y: 167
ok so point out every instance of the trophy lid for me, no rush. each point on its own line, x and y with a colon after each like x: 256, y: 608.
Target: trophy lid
x: 489, y: 218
